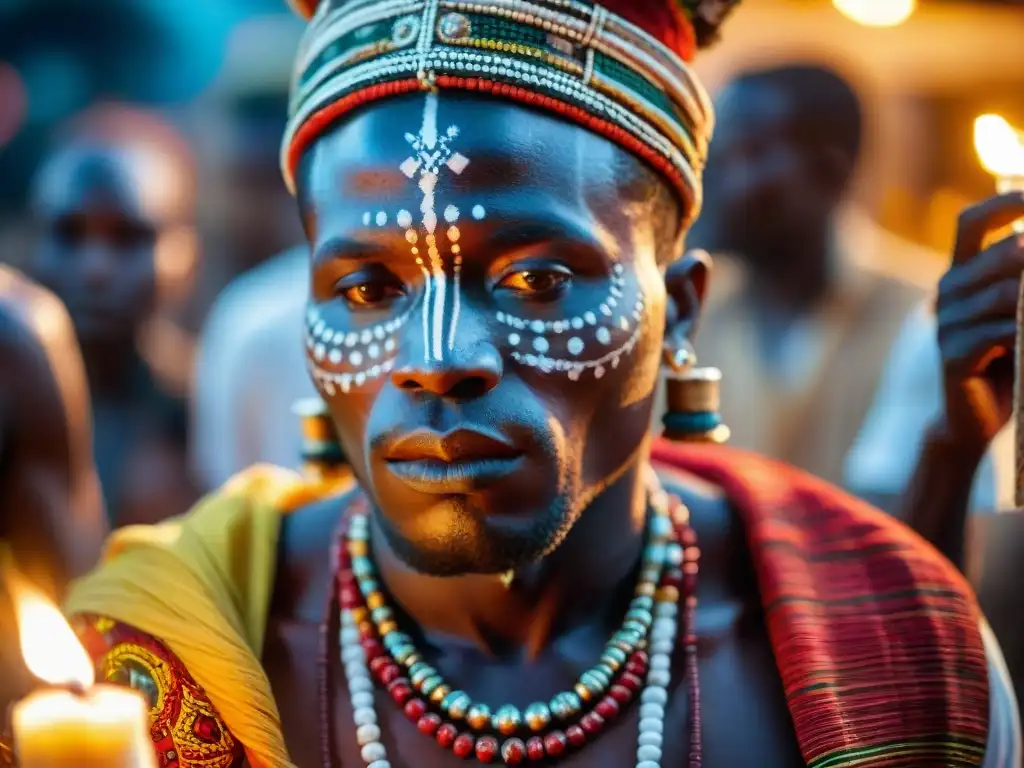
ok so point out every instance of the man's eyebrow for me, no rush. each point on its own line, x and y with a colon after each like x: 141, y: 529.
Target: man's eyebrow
x: 546, y: 226
x: 340, y: 247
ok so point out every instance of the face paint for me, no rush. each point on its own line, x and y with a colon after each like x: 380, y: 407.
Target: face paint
x: 340, y: 360
x: 432, y: 153
x: 329, y: 348
x: 594, y: 340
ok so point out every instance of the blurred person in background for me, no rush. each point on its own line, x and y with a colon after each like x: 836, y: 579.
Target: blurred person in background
x: 250, y: 370
x: 166, y: 340
x: 246, y: 216
x: 51, y: 511
x: 102, y: 207
x: 251, y: 367
x: 806, y: 314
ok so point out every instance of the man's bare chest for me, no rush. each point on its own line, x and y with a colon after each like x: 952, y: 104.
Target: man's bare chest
x: 745, y: 719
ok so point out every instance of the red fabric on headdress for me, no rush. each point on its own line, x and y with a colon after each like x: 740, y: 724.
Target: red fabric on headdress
x: 664, y: 20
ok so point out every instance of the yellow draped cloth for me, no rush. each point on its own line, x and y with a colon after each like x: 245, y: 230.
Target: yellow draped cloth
x: 202, y: 584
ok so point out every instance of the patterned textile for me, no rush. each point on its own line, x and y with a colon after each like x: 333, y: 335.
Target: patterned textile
x: 579, y: 60
x: 875, y: 635
x: 186, y: 730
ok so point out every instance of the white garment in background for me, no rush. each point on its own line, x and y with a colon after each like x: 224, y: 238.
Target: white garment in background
x: 251, y: 368
x: 908, y: 400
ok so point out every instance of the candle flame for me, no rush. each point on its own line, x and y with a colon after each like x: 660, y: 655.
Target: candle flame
x: 999, y: 146
x: 877, y: 13
x: 48, y: 644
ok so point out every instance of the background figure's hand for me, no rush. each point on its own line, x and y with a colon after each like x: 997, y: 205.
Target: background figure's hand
x: 977, y: 319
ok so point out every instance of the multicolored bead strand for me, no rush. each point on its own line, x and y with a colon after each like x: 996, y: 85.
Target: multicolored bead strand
x: 636, y: 661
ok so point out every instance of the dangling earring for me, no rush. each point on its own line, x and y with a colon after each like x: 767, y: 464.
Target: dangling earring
x: 693, y: 398
x: 323, y: 459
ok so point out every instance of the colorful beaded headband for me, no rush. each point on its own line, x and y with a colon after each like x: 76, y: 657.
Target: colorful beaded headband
x: 579, y: 60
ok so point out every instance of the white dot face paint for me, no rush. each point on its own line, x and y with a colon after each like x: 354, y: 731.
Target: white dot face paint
x: 593, y: 341
x: 341, y: 361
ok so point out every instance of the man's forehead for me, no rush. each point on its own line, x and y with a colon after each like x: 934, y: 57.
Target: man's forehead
x: 337, y: 170
x: 745, y: 104
x: 130, y: 181
x: 481, y: 144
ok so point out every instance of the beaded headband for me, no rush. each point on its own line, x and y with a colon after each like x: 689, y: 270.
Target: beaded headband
x: 579, y: 60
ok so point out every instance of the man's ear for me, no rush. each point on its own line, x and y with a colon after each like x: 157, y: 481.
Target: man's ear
x: 686, y: 285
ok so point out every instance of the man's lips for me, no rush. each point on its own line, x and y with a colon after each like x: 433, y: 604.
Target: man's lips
x: 462, y: 461
x: 459, y: 446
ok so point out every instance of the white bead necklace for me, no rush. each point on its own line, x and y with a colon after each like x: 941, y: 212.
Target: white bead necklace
x: 654, y: 695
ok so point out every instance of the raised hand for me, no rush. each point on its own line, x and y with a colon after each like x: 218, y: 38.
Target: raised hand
x: 977, y: 322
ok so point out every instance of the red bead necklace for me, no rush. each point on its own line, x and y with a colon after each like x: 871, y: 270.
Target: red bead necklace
x: 371, y: 647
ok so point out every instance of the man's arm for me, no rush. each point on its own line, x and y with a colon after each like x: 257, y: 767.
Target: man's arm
x: 1004, y: 739
x: 937, y: 498
x: 903, y: 462
x: 52, y: 512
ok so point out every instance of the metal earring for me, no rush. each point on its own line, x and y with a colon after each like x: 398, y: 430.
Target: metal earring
x: 679, y: 359
x: 693, y: 398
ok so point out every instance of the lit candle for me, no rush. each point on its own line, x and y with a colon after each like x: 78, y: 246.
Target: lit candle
x: 1000, y: 148
x: 78, y: 725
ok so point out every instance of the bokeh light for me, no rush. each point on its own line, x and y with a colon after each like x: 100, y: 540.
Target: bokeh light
x: 877, y: 13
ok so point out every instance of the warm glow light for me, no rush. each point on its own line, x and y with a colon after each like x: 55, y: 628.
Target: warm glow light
x: 48, y: 644
x: 999, y: 146
x: 877, y: 13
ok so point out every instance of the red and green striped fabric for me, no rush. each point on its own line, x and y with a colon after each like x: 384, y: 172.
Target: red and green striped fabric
x: 875, y: 635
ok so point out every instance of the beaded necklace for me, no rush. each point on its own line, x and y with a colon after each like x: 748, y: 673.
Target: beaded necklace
x: 636, y: 661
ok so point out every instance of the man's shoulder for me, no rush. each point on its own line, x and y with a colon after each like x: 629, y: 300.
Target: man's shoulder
x: 791, y: 506
x: 303, y: 559
x: 31, y: 318
x: 255, y: 299
x: 263, y: 286
x: 310, y: 524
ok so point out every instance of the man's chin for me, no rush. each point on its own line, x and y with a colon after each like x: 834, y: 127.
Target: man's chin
x: 457, y: 537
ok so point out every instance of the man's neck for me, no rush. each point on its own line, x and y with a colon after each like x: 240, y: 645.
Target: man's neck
x: 110, y: 368
x: 794, y: 281
x: 584, y: 580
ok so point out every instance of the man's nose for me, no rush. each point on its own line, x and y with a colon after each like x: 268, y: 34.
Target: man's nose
x: 98, y: 265
x: 462, y: 374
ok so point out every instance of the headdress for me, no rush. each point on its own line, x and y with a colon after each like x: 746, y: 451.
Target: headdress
x: 620, y: 68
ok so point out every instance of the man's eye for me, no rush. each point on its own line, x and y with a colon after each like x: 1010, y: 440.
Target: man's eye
x: 537, y: 283
x: 370, y: 294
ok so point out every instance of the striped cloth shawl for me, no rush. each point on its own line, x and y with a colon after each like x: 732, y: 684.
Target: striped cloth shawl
x: 875, y: 635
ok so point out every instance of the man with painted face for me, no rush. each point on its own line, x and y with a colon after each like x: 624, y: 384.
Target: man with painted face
x: 492, y: 193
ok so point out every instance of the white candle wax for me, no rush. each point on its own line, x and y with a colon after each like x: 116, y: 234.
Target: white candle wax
x: 105, y: 727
